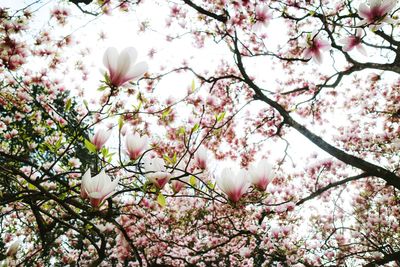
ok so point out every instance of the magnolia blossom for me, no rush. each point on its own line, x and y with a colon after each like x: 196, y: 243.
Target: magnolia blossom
x: 97, y: 188
x: 261, y: 175
x: 156, y: 172
x: 376, y: 13
x: 178, y: 184
x: 234, y: 186
x: 262, y: 18
x: 353, y: 41
x: 200, y: 158
x: 315, y: 47
x: 135, y: 145
x: 13, y: 249
x: 100, y: 138
x: 121, y: 67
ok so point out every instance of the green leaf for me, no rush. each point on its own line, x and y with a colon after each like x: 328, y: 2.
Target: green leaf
x: 211, y: 184
x: 104, y: 152
x: 181, y: 131
x: 165, y: 113
x: 107, y: 78
x: 120, y: 122
x: 167, y: 159
x: 68, y: 104
x: 221, y: 116
x: 58, y: 144
x: 192, y: 181
x: 102, y: 88
x: 139, y: 105
x: 193, y: 85
x: 161, y: 200
x: 31, y: 186
x: 174, y: 158
x: 90, y: 146
x: 195, y: 127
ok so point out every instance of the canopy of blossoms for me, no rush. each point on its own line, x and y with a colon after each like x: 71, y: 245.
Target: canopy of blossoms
x: 229, y: 133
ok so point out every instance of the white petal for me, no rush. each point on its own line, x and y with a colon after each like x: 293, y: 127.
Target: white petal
x: 388, y: 5
x: 109, y: 187
x: 86, y: 178
x: 374, y: 3
x: 110, y: 59
x: 359, y: 32
x: 361, y: 49
x: 226, y: 180
x: 364, y: 11
x: 126, y: 59
x: 136, y: 71
x: 99, y: 181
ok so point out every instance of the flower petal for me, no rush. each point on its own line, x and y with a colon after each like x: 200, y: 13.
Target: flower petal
x: 364, y: 11
x: 110, y: 59
x: 136, y: 71
x: 109, y: 188
x: 125, y: 60
x: 99, y: 181
x: 374, y: 3
x: 387, y: 5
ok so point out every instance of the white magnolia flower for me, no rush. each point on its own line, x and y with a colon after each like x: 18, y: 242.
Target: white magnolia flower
x: 156, y: 172
x: 135, y: 145
x: 234, y: 186
x: 376, y: 13
x: 100, y: 138
x: 261, y: 175
x: 97, y: 188
x: 121, y: 66
x: 13, y: 248
x: 200, y: 158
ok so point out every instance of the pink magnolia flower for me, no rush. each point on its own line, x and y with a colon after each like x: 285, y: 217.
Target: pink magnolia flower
x: 234, y: 186
x: 376, y: 13
x: 263, y: 18
x: 200, y: 158
x: 100, y: 138
x: 97, y: 188
x: 315, y: 47
x: 261, y: 175
x: 121, y: 67
x: 156, y: 172
x: 353, y: 41
x: 135, y: 145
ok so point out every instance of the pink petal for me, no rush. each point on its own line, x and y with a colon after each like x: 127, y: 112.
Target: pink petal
x: 307, y: 54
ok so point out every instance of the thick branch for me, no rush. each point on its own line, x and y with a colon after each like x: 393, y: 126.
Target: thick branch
x: 374, y: 170
x: 386, y: 259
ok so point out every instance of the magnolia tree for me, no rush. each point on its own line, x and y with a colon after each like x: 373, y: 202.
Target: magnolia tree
x: 282, y: 152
